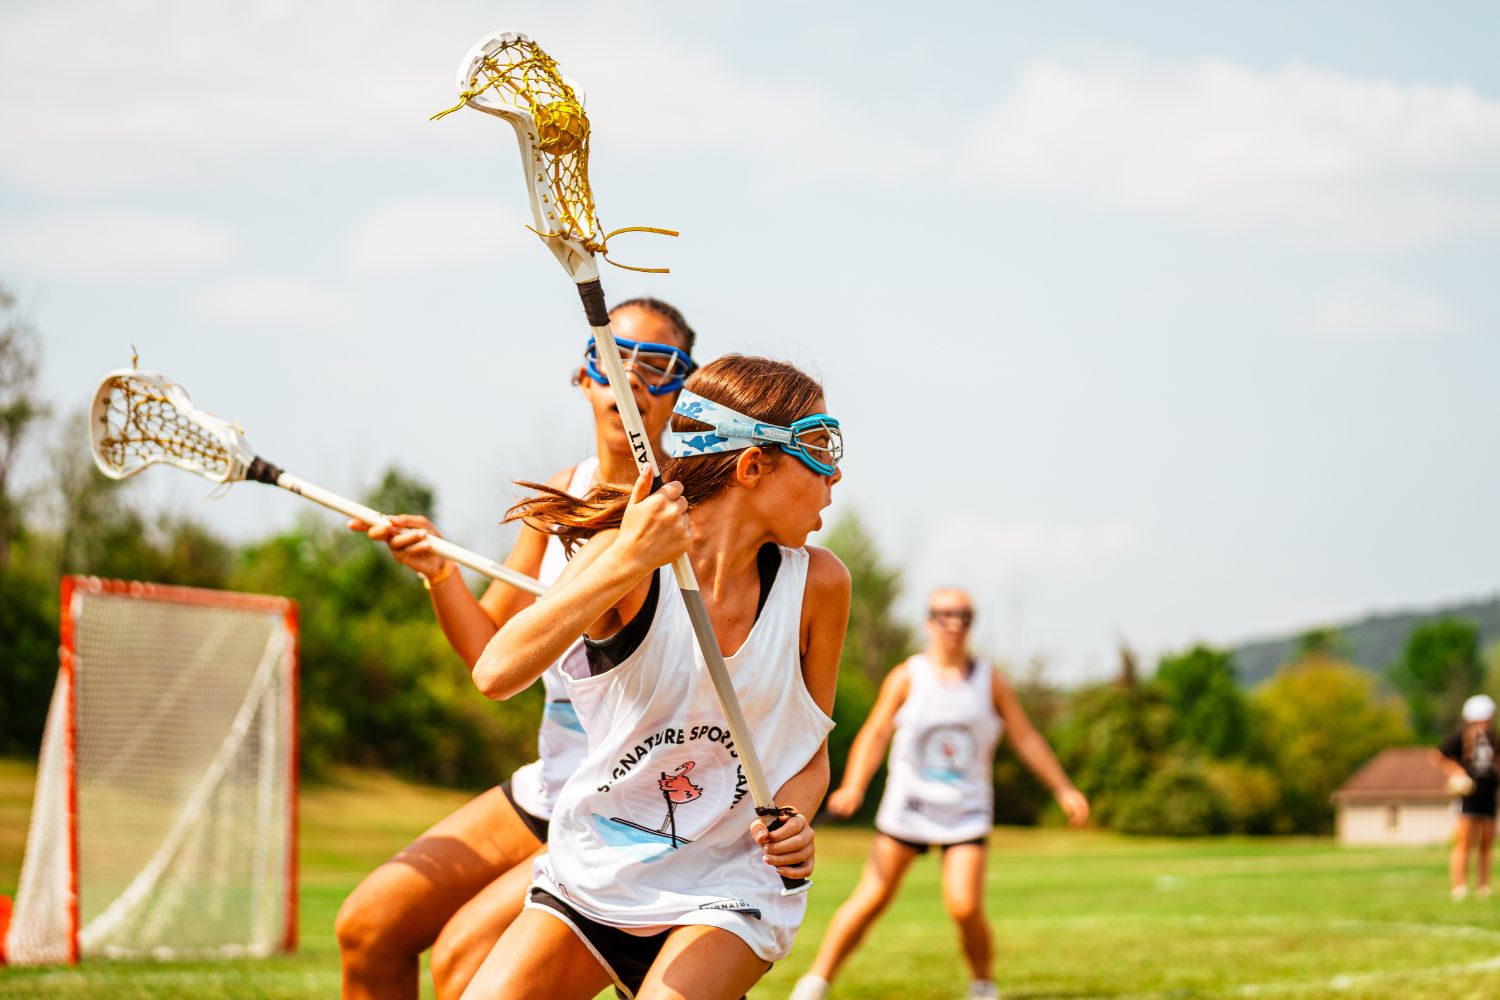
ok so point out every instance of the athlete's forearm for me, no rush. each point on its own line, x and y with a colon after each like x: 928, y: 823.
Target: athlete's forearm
x: 465, y: 623
x: 537, y: 636
x: 865, y: 756
x: 1034, y: 752
x: 804, y: 790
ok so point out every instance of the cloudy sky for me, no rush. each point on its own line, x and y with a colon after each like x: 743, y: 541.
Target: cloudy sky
x: 1143, y: 324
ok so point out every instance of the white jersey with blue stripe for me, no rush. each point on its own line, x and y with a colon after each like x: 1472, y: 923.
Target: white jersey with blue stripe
x: 561, y: 741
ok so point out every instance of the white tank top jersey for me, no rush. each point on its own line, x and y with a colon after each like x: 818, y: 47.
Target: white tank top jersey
x: 939, y: 787
x: 560, y: 742
x: 654, y: 831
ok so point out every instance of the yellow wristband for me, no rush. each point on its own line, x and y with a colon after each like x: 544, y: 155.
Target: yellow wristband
x: 449, y: 568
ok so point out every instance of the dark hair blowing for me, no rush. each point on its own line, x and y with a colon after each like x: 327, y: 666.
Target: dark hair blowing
x: 771, y: 391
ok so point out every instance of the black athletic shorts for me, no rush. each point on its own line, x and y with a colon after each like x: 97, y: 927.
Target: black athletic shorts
x: 535, y: 824
x: 921, y: 848
x: 1482, y: 802
x: 626, y: 957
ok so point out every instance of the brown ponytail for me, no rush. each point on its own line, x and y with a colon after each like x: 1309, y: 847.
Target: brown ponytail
x: 771, y: 391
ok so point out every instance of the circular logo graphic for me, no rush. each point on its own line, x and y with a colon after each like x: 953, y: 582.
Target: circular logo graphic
x: 946, y: 753
x: 674, y: 784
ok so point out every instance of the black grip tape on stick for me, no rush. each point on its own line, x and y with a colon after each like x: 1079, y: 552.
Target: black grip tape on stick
x: 781, y: 816
x: 261, y: 471
x: 592, y: 294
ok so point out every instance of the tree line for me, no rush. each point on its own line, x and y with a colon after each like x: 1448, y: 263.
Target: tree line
x: 1186, y: 750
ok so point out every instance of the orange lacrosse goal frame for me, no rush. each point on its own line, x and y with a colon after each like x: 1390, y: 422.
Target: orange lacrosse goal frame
x: 165, y: 818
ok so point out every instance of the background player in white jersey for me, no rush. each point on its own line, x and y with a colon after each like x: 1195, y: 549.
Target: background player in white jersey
x: 942, y: 712
x: 457, y: 887
x: 659, y: 877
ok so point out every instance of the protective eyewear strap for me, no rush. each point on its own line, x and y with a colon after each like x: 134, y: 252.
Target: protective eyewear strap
x: 734, y: 431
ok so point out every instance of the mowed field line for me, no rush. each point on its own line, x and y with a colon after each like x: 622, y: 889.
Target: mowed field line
x: 1076, y: 915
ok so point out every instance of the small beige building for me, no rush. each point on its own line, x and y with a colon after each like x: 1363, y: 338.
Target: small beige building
x: 1399, y: 798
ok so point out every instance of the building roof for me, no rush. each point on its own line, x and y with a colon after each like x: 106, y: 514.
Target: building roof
x: 1395, y: 775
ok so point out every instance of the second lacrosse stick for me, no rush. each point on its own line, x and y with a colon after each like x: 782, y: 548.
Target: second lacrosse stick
x: 141, y: 418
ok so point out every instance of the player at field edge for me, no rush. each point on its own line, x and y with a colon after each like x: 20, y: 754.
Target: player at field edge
x: 1468, y: 757
x: 942, y: 713
x: 456, y: 887
x: 659, y: 877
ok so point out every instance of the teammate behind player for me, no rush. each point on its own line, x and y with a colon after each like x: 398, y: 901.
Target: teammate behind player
x: 942, y: 712
x: 456, y: 887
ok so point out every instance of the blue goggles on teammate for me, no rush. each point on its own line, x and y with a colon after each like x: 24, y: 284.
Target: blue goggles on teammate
x: 661, y: 368
x: 816, y: 440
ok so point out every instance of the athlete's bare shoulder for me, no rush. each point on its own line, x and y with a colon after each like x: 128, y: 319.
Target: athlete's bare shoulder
x: 827, y: 575
x: 900, y: 674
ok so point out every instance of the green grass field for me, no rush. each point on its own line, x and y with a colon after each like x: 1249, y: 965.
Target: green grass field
x: 1076, y: 915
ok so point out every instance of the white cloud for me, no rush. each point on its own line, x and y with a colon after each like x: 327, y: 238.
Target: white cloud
x: 432, y: 233
x: 114, y: 245
x: 110, y: 96
x: 1365, y: 308
x: 1044, y: 549
x: 273, y: 301
x: 1300, y: 149
x: 788, y: 126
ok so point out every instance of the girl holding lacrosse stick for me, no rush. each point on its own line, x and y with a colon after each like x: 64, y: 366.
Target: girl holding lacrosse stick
x: 1468, y: 756
x: 659, y: 877
x: 456, y: 887
x: 942, y: 713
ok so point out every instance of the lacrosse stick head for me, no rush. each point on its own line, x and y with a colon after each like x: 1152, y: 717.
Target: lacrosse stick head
x: 140, y: 418
x: 508, y: 75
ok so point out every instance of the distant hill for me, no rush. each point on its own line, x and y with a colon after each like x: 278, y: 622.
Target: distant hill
x: 1373, y: 642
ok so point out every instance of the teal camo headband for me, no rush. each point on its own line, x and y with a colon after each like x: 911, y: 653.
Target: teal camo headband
x: 816, y: 440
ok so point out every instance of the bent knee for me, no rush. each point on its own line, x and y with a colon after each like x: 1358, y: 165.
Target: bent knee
x: 966, y: 911
x: 872, y: 900
x: 372, y: 924
x: 456, y: 956
x: 355, y: 927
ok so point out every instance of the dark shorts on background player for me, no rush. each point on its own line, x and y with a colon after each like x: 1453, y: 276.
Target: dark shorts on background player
x: 924, y: 848
x: 535, y: 824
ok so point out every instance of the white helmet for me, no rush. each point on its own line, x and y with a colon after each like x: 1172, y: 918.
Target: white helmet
x: 1480, y: 708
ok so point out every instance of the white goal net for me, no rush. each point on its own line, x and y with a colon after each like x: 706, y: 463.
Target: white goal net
x: 164, y: 823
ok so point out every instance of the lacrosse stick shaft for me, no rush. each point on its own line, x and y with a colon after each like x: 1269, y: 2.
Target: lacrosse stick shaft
x: 441, y: 546
x: 592, y: 293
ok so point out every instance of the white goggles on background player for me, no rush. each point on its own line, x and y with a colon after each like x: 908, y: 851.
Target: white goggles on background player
x: 815, y: 440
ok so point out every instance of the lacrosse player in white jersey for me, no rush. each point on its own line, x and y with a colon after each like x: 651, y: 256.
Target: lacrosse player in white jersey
x: 659, y: 878
x: 942, y: 712
x: 457, y: 887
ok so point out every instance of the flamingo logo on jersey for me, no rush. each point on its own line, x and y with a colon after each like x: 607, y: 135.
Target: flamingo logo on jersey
x: 676, y: 783
x: 945, y: 753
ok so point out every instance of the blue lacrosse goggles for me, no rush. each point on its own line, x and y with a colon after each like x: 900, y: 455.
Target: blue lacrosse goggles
x: 661, y: 368
x: 815, y: 440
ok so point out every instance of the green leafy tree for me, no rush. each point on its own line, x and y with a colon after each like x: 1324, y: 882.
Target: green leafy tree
x: 1176, y: 799
x: 380, y: 684
x: 1113, y: 740
x: 1021, y: 799
x: 1209, y: 709
x: 1438, y: 669
x: 1318, y: 719
x: 1321, y: 642
x: 28, y: 638
x: 1492, y: 671
x: 20, y: 410
x: 876, y: 641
